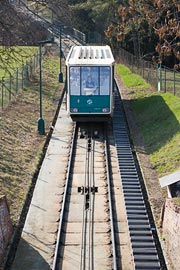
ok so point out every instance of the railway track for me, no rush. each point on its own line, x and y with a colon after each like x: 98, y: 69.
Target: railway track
x: 86, y: 237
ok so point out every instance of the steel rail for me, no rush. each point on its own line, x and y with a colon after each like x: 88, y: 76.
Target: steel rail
x: 110, y: 203
x: 88, y: 211
x: 87, y: 240
x: 82, y: 264
x: 92, y: 201
x: 54, y: 266
x: 90, y: 150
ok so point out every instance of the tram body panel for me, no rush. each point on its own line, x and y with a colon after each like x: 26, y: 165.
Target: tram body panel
x: 90, y: 104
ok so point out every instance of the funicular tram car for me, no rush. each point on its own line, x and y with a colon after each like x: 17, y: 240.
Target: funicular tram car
x: 90, y: 76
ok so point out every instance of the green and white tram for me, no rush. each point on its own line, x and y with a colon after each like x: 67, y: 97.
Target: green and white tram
x: 90, y: 82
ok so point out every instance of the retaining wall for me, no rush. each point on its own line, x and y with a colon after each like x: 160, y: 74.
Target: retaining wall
x: 171, y: 232
x: 6, y: 227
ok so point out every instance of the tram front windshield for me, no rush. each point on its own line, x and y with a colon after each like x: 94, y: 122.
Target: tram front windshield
x: 89, y: 80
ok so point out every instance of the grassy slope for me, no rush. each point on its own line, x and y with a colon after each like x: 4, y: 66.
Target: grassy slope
x: 158, y: 115
x: 20, y: 144
x: 14, y: 57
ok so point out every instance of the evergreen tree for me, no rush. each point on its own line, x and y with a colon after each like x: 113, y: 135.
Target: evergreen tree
x: 93, y: 16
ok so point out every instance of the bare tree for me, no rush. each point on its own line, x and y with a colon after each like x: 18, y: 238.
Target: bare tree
x: 58, y: 10
x: 21, y: 24
x: 157, y: 18
x: 18, y: 27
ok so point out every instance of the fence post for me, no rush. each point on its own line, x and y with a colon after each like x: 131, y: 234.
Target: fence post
x: 131, y: 63
x: 139, y: 65
x: 22, y: 76
x: 174, y: 83
x: 17, y: 78
x: 164, y: 79
x: 27, y: 72
x: 149, y: 76
x: 31, y: 68
x: 157, y: 80
x: 2, y: 87
x: 159, y: 77
x: 10, y: 87
x: 37, y: 62
x: 34, y: 62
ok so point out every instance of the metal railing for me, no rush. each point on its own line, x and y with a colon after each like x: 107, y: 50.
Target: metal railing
x: 160, y: 77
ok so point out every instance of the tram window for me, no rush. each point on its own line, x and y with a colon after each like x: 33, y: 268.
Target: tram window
x: 74, y: 73
x: 104, y: 80
x: 89, y: 81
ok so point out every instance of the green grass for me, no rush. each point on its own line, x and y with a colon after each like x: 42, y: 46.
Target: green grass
x: 158, y: 116
x: 135, y: 83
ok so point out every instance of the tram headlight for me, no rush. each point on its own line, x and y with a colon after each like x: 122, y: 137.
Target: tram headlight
x: 74, y: 110
x: 105, y: 110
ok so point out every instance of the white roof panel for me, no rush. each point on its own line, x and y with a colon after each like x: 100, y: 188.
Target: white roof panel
x: 169, y: 179
x: 90, y: 55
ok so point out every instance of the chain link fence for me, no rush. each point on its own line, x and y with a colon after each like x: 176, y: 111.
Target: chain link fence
x: 16, y: 81
x: 160, y: 77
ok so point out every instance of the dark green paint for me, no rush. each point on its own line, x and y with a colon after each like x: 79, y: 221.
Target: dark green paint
x: 89, y: 104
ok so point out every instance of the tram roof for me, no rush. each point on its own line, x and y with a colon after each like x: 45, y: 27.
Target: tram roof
x: 90, y: 55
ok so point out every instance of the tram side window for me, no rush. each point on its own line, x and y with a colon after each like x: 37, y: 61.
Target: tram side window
x: 74, y: 73
x: 105, y: 80
x: 89, y: 81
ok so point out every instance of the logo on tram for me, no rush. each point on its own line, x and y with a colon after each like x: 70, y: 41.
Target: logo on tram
x: 89, y: 101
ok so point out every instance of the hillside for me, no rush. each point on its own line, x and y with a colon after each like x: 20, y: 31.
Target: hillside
x: 18, y: 27
x: 21, y: 145
x: 153, y: 119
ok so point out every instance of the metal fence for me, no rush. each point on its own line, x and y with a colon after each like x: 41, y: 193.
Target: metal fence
x: 10, y: 86
x: 160, y: 77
